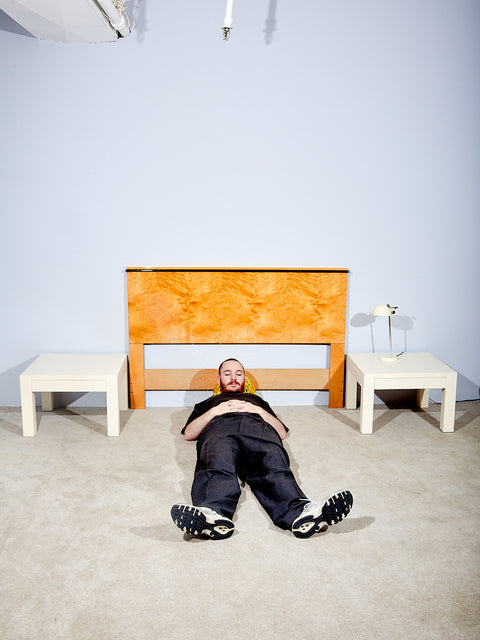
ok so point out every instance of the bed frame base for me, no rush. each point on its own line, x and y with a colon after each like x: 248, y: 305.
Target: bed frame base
x: 330, y: 380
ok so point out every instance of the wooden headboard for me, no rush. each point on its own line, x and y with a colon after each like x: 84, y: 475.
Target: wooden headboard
x: 236, y: 306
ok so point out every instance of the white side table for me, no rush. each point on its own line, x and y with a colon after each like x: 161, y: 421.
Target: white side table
x: 75, y: 372
x: 420, y: 371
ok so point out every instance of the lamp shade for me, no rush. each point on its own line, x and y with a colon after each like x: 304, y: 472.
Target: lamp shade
x: 383, y: 310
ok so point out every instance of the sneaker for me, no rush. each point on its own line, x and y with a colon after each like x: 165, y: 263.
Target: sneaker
x: 201, y: 521
x: 317, y: 517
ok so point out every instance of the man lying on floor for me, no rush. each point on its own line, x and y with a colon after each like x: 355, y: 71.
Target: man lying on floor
x: 239, y: 436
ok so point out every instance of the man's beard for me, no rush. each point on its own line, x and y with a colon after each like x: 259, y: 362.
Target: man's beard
x: 237, y: 388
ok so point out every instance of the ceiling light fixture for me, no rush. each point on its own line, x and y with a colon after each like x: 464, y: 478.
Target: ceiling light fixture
x: 227, y: 21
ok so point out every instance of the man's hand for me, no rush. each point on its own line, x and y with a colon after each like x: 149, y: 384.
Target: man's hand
x: 233, y: 406
x: 249, y: 407
x: 194, y: 429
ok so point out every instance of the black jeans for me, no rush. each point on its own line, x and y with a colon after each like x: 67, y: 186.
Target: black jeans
x: 242, y: 445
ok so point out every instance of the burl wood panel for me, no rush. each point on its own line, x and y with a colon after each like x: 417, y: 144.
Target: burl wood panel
x: 262, y: 307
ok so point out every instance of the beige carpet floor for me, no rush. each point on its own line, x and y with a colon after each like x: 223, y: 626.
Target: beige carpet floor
x: 89, y: 551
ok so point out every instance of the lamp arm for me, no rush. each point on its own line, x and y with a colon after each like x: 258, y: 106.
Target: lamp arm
x: 390, y: 332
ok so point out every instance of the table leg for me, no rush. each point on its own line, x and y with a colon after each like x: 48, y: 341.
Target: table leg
x: 366, y: 406
x: 447, y: 412
x: 113, y: 407
x: 422, y: 398
x: 29, y: 409
x: 350, y: 390
x: 47, y: 401
x: 123, y: 390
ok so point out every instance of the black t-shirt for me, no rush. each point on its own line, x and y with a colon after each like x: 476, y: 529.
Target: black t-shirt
x: 202, y: 407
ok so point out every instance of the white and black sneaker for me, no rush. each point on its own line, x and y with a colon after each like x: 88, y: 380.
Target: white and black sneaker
x: 201, y: 521
x: 317, y: 516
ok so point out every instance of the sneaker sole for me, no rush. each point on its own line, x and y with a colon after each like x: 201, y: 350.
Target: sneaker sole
x: 335, y: 509
x: 194, y: 522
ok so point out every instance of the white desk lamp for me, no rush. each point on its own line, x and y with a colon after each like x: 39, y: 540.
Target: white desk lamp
x: 384, y: 310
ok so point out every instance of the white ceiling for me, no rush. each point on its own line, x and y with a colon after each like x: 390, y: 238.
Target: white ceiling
x: 63, y: 20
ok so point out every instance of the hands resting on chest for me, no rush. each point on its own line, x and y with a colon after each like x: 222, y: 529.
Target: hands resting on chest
x: 194, y: 428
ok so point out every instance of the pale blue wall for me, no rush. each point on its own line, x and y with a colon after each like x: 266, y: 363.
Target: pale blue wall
x: 351, y: 139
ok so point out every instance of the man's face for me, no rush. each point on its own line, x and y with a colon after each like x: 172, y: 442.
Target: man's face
x: 231, y: 376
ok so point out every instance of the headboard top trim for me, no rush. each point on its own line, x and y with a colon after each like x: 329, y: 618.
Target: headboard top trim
x: 243, y: 269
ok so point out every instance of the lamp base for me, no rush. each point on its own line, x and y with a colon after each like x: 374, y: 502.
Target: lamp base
x: 387, y: 357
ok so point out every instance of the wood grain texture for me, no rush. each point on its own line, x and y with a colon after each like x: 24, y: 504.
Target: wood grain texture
x: 137, y: 376
x: 204, y: 307
x: 337, y: 375
x: 205, y: 379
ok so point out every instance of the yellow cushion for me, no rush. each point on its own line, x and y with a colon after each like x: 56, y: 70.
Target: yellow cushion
x: 249, y: 388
